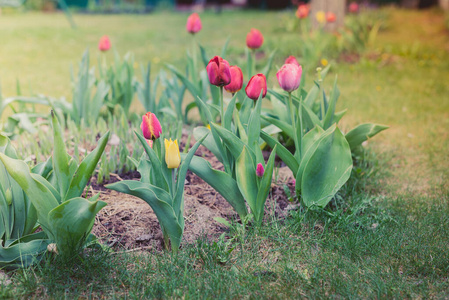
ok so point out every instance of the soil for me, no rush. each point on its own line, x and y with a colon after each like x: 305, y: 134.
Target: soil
x: 129, y: 223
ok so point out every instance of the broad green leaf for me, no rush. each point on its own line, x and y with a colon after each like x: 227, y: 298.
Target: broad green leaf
x: 22, y: 255
x: 156, y: 165
x: 253, y: 129
x: 233, y: 143
x: 182, y: 172
x: 327, y: 170
x: 72, y: 222
x: 285, y: 127
x: 264, y: 188
x: 363, y: 132
x: 329, y: 118
x: 209, y: 142
x: 286, y: 156
x: 247, y: 179
x: 85, y: 169
x: 41, y: 197
x: 60, y: 159
x: 221, y: 182
x: 163, y: 210
x: 227, y: 120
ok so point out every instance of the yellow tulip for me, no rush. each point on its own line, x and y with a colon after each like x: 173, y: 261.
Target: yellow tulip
x: 321, y: 17
x: 172, y: 156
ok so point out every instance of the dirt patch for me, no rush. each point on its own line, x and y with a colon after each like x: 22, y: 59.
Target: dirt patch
x: 128, y: 222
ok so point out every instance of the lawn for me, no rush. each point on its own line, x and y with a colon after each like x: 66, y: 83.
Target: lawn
x: 386, y: 237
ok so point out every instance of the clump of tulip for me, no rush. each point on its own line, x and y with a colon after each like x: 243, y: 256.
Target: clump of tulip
x: 218, y: 71
x: 163, y: 175
x: 104, y: 44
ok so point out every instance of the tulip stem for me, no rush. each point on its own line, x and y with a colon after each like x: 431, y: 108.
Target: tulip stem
x: 222, y: 105
x: 293, y: 119
x: 173, y: 181
x: 194, y: 71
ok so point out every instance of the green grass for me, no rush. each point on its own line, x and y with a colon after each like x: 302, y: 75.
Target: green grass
x: 385, y: 236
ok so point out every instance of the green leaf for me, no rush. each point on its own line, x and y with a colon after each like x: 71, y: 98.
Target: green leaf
x: 329, y: 117
x: 23, y: 254
x: 85, y: 169
x: 363, y: 132
x: 209, y: 142
x: 234, y: 144
x: 266, y: 70
x: 284, y: 126
x: 286, y: 156
x: 60, y: 158
x: 156, y: 170
x: 247, y: 179
x: 41, y: 197
x: 72, y: 222
x: 182, y: 172
x: 221, y: 182
x: 163, y: 210
x: 327, y: 170
x: 253, y: 129
x: 264, y: 188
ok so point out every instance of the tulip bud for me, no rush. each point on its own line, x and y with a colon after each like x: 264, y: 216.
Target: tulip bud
x: 104, y: 44
x: 292, y: 60
x: 289, y: 77
x: 256, y: 84
x: 254, y: 39
x: 260, y: 170
x: 172, y: 156
x: 353, y: 8
x: 218, y: 71
x: 151, y: 128
x: 193, y: 23
x: 303, y: 11
x: 236, y: 80
x: 330, y: 17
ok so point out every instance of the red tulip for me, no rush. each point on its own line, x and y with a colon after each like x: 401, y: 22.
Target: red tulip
x: 259, y: 170
x: 218, y: 71
x: 236, y: 80
x: 193, y: 23
x: 254, y: 39
x: 256, y: 84
x: 104, y: 44
x: 303, y: 11
x: 330, y: 17
x: 289, y: 77
x: 151, y: 128
x: 353, y: 7
x: 292, y: 60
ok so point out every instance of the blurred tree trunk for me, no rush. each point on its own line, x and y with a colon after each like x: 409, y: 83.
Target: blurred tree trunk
x: 444, y: 4
x: 338, y: 7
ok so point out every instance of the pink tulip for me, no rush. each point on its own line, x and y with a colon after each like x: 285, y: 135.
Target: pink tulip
x: 260, y: 170
x: 256, y: 84
x: 218, y: 71
x: 151, y: 128
x: 303, y: 11
x: 236, y: 80
x: 289, y: 77
x: 254, y: 39
x: 193, y: 23
x: 292, y: 60
x: 104, y: 44
x: 353, y: 7
x: 331, y: 17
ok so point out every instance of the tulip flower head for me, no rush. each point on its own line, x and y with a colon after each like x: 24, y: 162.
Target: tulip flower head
x: 193, y: 23
x: 289, y: 77
x: 260, y: 170
x: 172, y: 156
x: 104, y: 44
x: 151, y: 128
x: 353, y: 8
x: 218, y: 71
x: 303, y: 11
x: 236, y: 80
x: 330, y: 17
x: 256, y: 84
x: 320, y: 16
x: 292, y: 60
x: 254, y: 39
